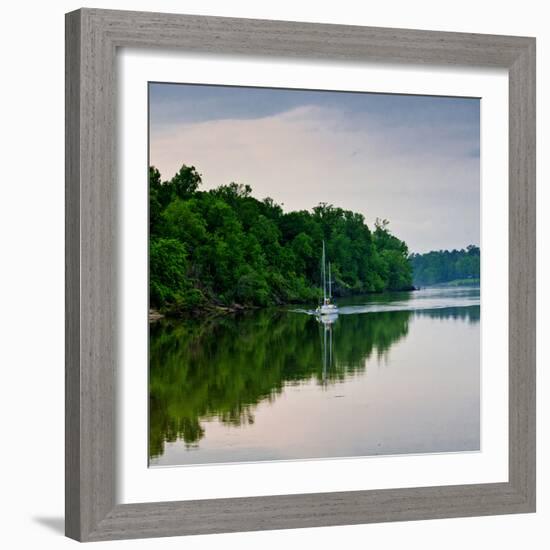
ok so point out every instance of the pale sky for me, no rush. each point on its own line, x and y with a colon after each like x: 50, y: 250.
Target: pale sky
x: 414, y: 160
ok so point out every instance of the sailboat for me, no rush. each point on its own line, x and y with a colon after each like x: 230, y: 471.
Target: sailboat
x: 327, y: 310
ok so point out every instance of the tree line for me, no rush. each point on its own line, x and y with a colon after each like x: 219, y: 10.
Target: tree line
x: 446, y: 266
x: 223, y: 247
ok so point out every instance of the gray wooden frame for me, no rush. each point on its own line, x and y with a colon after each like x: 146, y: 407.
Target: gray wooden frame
x: 92, y: 39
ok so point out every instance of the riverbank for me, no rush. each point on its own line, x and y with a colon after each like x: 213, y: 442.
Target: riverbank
x: 458, y: 282
x: 210, y: 309
x: 202, y: 311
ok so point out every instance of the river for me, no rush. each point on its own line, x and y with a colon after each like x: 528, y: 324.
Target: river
x: 394, y: 373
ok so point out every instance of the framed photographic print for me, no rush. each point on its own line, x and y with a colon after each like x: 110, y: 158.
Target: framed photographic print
x: 300, y: 275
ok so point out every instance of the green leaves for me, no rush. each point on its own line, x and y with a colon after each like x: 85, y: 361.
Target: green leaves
x: 167, y: 270
x: 445, y: 266
x: 186, y: 181
x: 224, y: 247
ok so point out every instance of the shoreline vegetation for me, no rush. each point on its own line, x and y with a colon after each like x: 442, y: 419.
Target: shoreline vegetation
x: 223, y: 251
x: 447, y: 267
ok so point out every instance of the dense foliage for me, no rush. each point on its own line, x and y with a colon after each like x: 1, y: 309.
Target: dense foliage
x: 223, y: 247
x: 446, y: 266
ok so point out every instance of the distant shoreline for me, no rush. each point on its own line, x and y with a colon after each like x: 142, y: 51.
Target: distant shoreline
x: 454, y: 282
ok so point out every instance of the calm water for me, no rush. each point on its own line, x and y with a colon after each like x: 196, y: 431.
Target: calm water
x: 395, y: 373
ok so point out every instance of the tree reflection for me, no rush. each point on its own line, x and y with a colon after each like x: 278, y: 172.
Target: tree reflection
x: 470, y: 314
x: 222, y: 367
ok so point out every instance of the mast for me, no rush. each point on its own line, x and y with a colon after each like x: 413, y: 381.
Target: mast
x: 329, y: 283
x: 323, y: 271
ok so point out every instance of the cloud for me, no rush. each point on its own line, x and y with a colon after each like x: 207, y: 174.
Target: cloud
x: 421, y: 176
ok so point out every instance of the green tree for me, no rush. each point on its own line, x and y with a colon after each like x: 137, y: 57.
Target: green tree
x: 186, y: 181
x: 444, y: 266
x: 167, y: 271
x: 234, y: 248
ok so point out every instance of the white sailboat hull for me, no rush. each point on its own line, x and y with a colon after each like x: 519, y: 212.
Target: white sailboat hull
x: 327, y: 309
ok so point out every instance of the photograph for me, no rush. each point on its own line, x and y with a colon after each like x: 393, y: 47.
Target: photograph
x: 314, y: 274
x: 281, y: 266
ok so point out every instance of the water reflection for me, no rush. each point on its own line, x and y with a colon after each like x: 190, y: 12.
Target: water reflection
x: 219, y: 370
x: 469, y: 314
x: 326, y: 322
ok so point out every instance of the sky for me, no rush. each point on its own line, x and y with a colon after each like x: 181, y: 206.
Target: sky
x: 413, y: 160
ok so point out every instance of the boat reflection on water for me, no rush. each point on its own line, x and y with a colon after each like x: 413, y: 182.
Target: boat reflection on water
x: 326, y: 323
